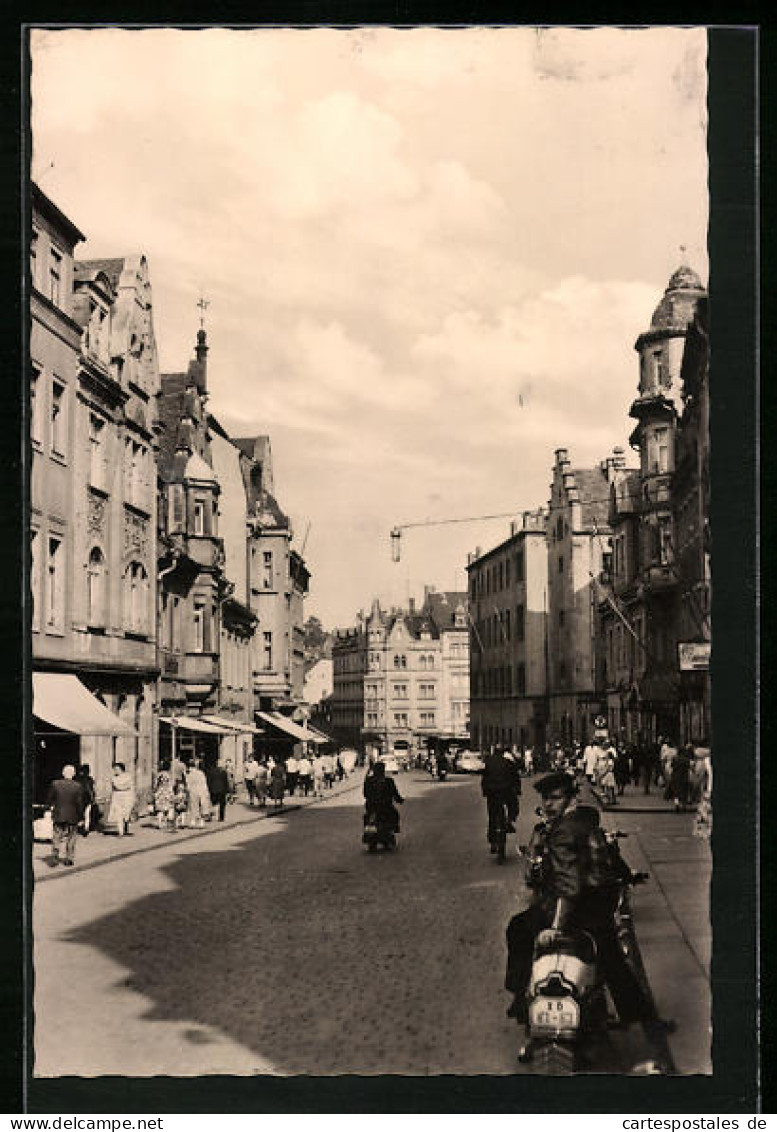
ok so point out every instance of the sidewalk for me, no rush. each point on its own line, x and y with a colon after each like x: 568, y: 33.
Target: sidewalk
x: 145, y: 837
x: 672, y: 915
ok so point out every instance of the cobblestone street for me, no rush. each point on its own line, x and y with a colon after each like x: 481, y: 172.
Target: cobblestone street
x: 280, y: 946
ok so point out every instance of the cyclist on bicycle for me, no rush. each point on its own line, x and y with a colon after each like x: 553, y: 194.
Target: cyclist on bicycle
x: 501, y: 786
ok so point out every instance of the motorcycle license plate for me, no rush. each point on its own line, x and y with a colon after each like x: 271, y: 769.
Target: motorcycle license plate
x: 555, y: 1013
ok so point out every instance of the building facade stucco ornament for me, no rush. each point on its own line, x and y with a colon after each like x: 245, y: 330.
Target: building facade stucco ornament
x: 135, y: 535
x: 95, y: 518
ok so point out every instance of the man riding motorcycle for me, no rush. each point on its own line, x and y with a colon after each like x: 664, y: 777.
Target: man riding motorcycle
x: 574, y: 889
x: 500, y: 783
x: 380, y: 794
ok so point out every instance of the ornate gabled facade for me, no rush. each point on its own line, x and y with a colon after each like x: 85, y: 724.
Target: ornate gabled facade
x: 93, y: 430
x: 409, y: 672
x: 192, y: 585
x: 278, y: 581
x: 692, y: 533
x: 656, y: 411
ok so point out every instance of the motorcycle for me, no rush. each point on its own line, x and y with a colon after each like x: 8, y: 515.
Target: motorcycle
x: 378, y: 832
x: 566, y: 997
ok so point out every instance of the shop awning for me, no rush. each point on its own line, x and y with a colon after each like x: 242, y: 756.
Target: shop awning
x: 189, y: 723
x: 320, y: 735
x: 60, y: 699
x: 289, y: 727
x: 232, y: 724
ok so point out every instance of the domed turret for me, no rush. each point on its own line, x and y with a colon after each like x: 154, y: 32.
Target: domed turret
x: 678, y: 304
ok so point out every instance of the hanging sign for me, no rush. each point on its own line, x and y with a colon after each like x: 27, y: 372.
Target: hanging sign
x: 694, y: 656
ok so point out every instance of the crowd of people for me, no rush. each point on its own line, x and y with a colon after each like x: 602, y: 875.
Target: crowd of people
x: 189, y: 794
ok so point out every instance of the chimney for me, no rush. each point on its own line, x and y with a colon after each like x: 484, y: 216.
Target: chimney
x: 411, y: 604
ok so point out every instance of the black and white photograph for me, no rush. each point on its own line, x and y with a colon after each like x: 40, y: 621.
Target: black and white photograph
x: 371, y: 561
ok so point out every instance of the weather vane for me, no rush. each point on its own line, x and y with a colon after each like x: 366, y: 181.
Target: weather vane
x: 203, y: 305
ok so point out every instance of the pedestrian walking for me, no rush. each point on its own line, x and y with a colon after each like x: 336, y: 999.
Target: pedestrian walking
x: 702, y: 827
x: 262, y: 783
x: 181, y: 803
x: 66, y: 799
x: 164, y: 801
x: 122, y: 800
x: 667, y: 755
x: 199, y: 796
x: 305, y: 775
x: 330, y: 770
x: 622, y: 769
x: 650, y: 765
x: 292, y: 774
x: 339, y: 767
x: 91, y: 812
x: 250, y: 771
x: 318, y: 770
x: 277, y: 783
x: 230, y: 772
x: 177, y: 770
x: 679, y: 781
x: 218, y: 788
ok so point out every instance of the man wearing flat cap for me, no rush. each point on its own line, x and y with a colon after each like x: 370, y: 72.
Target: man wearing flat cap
x: 574, y: 891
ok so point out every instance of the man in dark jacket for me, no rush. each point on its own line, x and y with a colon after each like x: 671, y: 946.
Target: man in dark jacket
x: 380, y: 794
x: 67, y: 802
x: 574, y: 892
x: 218, y: 787
x: 500, y: 783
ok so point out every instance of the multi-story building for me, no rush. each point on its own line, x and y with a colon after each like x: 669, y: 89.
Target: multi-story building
x: 578, y: 546
x: 238, y: 623
x: 647, y: 608
x: 449, y: 612
x: 95, y: 382
x: 406, y: 668
x: 692, y: 540
x: 192, y: 582
x: 349, y: 665
x: 621, y: 657
x: 656, y: 411
x: 508, y: 652
x: 278, y: 581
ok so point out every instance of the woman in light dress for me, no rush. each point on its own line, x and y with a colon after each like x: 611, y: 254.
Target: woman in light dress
x: 122, y: 799
x: 199, y: 796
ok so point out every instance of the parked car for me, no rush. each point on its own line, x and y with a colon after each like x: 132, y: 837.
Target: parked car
x: 469, y: 762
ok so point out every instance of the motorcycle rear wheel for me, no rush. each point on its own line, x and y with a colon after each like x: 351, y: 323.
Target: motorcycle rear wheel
x: 554, y: 1060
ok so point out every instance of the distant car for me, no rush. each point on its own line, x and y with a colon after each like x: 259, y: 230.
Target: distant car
x: 469, y: 762
x: 391, y: 763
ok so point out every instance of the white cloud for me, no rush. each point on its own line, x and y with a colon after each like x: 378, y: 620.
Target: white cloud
x: 428, y: 252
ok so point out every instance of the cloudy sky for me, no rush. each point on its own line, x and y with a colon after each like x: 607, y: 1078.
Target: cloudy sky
x: 428, y: 252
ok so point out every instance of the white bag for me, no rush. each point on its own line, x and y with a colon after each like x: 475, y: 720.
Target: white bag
x: 43, y: 828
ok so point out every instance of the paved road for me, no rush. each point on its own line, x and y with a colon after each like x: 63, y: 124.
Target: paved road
x: 283, y: 947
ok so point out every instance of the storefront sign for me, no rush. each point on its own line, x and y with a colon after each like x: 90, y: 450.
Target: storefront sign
x: 694, y: 656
